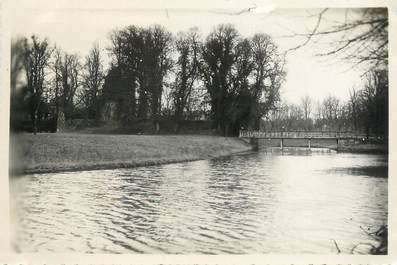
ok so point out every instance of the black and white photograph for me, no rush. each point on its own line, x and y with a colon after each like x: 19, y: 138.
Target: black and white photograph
x: 249, y: 129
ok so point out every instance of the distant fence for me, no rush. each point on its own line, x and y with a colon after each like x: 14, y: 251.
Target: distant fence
x: 301, y: 134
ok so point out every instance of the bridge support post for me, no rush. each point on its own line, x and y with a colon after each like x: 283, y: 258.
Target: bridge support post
x: 281, y: 143
x: 309, y: 143
x: 254, y: 143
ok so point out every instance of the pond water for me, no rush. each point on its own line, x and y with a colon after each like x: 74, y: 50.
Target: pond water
x: 262, y: 202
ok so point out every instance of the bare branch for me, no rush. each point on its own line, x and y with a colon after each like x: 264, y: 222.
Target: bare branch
x: 337, y: 247
x: 310, y: 36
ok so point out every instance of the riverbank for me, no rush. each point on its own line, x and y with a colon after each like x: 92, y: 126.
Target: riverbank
x: 368, y: 148
x: 44, y: 153
x: 362, y: 148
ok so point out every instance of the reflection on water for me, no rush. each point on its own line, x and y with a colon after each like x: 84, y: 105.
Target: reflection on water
x: 373, y: 171
x: 290, y: 202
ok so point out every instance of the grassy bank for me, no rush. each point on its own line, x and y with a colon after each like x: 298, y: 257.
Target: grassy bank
x: 67, y: 152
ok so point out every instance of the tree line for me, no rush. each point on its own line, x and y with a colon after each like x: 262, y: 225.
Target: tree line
x: 361, y: 39
x: 230, y: 79
x: 225, y: 78
x: 365, y: 111
x: 48, y: 83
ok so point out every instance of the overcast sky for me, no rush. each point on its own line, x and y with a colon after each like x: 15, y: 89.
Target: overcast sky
x: 76, y: 29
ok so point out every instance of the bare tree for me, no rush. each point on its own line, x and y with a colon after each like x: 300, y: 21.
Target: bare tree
x: 241, y: 107
x: 306, y: 104
x: 318, y: 115
x: 70, y: 68
x: 362, y: 37
x: 117, y: 47
x: 354, y: 102
x: 187, y: 46
x: 36, y: 58
x: 242, y: 77
x: 141, y: 62
x: 374, y: 98
x: 268, y: 74
x: 217, y: 61
x: 158, y: 42
x: 57, y: 79
x: 331, y: 111
x: 129, y: 73
x: 92, y: 81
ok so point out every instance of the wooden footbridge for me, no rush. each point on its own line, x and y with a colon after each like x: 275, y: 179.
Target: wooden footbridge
x: 308, y: 135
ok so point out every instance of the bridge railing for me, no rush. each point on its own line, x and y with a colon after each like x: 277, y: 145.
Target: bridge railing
x: 299, y: 134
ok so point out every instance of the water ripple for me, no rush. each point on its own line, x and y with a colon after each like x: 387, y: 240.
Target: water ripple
x: 245, y: 204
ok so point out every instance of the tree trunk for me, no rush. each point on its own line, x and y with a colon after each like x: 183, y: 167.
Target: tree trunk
x: 35, y: 122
